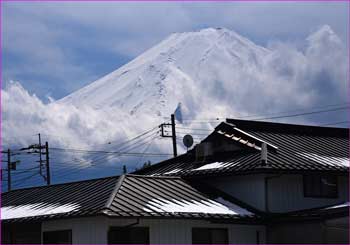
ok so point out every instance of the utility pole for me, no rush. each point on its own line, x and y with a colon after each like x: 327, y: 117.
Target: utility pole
x: 8, y: 170
x: 48, y: 177
x: 38, y: 148
x: 173, y: 133
x: 40, y: 157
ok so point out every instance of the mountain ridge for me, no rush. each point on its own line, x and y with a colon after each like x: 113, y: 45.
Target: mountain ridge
x: 177, y: 59
x: 216, y: 67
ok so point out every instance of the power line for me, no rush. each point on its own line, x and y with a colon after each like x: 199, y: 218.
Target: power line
x: 94, y: 162
x: 184, y: 133
x: 289, y: 111
x: 146, y: 148
x: 111, y: 152
x: 303, y: 114
x: 25, y: 178
x: 134, y: 147
x: 334, y: 123
x: 282, y: 116
x: 99, y: 159
x: 138, y: 142
x: 194, y: 129
x: 136, y: 137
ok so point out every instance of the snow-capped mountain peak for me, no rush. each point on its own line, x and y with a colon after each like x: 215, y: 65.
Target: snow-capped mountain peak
x: 216, y: 72
x: 203, y: 75
x: 157, y: 80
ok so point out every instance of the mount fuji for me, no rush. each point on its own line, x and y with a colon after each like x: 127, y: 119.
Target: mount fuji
x: 202, y: 75
x: 196, y: 69
x: 206, y: 74
x: 216, y: 72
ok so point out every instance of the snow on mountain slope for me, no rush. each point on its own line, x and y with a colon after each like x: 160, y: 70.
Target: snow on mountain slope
x: 212, y: 73
x: 186, y: 67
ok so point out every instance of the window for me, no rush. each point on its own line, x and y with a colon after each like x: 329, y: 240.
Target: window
x: 21, y: 233
x: 58, y: 237
x: 127, y: 235
x: 325, y: 186
x: 209, y: 236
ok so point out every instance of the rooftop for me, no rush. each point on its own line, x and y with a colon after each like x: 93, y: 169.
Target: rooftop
x: 291, y: 148
x: 120, y: 196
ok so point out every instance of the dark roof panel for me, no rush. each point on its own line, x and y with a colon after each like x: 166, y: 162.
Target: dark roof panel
x: 69, y: 199
x: 125, y: 196
x: 169, y: 196
x: 297, y: 148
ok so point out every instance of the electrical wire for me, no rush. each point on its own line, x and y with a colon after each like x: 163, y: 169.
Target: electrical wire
x: 115, y: 152
x: 24, y: 178
x: 264, y: 114
x: 334, y: 123
x: 193, y: 129
x: 303, y: 114
x: 146, y: 148
x: 132, y: 139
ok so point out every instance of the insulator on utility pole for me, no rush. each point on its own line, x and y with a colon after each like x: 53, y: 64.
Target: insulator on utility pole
x: 173, y: 133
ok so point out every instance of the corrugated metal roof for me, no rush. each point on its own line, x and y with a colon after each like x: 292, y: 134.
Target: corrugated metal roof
x: 61, y: 200
x: 168, y: 196
x: 126, y: 196
x: 328, y: 212
x: 293, y: 148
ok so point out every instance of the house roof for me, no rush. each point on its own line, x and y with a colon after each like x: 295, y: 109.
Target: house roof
x: 291, y: 148
x: 327, y: 212
x: 60, y: 200
x: 125, y: 196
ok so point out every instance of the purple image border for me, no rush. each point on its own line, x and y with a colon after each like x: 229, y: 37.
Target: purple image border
x: 169, y: 1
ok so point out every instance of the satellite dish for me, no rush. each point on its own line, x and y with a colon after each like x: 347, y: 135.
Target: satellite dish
x: 188, y: 140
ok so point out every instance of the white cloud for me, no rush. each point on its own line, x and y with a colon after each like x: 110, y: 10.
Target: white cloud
x: 24, y: 115
x: 47, y: 37
x: 289, y: 78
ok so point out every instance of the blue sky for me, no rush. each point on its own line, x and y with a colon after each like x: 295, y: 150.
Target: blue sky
x: 56, y: 48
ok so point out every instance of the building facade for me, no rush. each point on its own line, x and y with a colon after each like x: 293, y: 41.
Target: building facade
x: 247, y: 182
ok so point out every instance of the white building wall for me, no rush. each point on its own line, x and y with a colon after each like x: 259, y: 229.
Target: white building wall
x: 95, y: 229
x: 286, y: 193
x: 84, y: 230
x: 247, y: 188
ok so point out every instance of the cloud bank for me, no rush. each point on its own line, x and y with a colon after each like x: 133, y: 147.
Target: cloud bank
x: 289, y: 78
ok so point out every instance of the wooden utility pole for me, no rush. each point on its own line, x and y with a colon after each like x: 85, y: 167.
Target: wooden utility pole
x: 173, y: 134
x: 48, y: 177
x: 40, y: 157
x: 8, y: 170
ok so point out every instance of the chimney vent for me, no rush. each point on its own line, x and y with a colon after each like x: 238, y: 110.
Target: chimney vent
x: 263, y: 154
x: 204, y: 150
